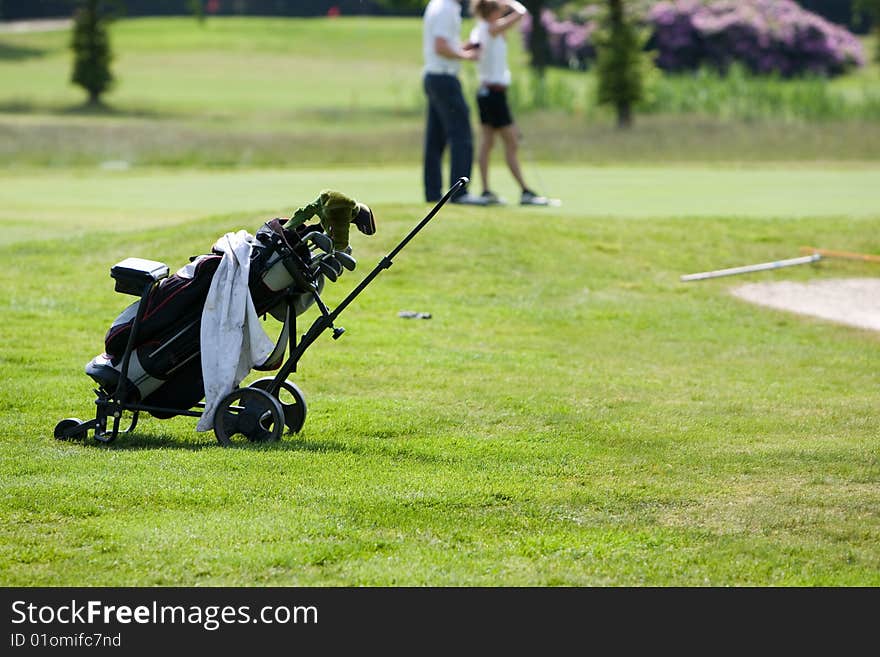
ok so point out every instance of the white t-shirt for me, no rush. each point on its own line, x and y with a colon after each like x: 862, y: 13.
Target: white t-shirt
x: 442, y: 18
x: 492, y: 65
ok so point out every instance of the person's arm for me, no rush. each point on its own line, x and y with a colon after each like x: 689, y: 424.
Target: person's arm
x: 442, y: 47
x: 515, y: 12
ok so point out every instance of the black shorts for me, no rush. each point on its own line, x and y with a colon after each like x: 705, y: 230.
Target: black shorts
x: 494, y: 110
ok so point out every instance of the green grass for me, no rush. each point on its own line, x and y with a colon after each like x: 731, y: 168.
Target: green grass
x: 34, y: 202
x: 281, y: 93
x: 256, y: 66
x: 739, y: 95
x: 571, y: 415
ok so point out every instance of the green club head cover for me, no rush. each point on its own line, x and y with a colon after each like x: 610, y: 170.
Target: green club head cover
x: 336, y: 213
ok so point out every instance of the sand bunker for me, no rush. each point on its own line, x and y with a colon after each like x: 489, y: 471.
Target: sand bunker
x: 852, y: 301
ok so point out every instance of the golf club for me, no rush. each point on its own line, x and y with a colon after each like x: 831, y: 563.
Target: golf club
x: 345, y: 260
x: 321, y: 240
x: 328, y: 270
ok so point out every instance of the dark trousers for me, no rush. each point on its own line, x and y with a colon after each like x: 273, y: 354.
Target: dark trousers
x: 448, y: 122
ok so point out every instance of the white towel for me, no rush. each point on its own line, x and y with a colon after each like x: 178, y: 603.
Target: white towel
x: 232, y: 340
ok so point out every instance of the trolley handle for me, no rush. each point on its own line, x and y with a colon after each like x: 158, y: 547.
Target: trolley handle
x: 326, y: 318
x: 386, y: 262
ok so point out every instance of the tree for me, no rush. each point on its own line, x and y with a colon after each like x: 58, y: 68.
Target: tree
x: 197, y: 7
x: 870, y: 9
x: 538, y: 45
x: 91, y: 49
x: 90, y: 42
x: 621, y: 62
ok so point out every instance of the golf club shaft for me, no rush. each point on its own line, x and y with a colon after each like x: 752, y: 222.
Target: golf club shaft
x: 386, y: 262
x: 326, y: 318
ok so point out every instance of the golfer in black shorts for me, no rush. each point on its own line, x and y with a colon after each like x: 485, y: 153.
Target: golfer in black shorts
x: 494, y: 18
x: 494, y: 110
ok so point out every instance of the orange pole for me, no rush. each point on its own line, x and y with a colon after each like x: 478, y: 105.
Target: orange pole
x: 841, y: 254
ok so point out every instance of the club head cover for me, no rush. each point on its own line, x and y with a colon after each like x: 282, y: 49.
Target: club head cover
x: 364, y: 219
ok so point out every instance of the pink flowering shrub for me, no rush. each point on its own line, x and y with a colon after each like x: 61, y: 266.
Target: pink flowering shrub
x: 570, y: 40
x: 764, y: 36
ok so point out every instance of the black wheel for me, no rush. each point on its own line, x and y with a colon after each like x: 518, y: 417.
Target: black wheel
x: 70, y: 427
x: 251, y: 413
x: 293, y: 402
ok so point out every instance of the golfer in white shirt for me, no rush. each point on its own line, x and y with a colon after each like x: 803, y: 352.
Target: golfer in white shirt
x: 448, y: 119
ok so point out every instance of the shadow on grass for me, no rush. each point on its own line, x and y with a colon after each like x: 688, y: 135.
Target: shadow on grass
x: 92, y: 110
x: 289, y: 443
x: 15, y: 53
x: 378, y: 448
x: 103, y: 109
x: 151, y: 441
x: 333, y: 114
x: 144, y: 441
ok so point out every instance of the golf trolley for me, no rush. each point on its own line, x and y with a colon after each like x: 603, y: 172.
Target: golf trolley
x: 162, y: 375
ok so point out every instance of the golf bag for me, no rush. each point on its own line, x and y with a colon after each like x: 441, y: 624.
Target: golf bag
x: 164, y: 370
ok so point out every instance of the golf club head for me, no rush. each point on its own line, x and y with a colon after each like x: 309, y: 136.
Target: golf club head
x: 321, y: 240
x: 365, y: 221
x: 327, y: 270
x: 345, y: 260
x: 331, y: 260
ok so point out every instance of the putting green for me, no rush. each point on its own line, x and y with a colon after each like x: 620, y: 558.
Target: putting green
x: 85, y: 200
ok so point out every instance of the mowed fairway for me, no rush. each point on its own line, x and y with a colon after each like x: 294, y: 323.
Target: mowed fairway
x: 125, y: 201
x: 571, y: 415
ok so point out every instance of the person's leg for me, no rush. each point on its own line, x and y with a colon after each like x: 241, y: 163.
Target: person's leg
x: 435, y: 143
x: 511, y: 146
x: 461, y: 142
x: 448, y: 101
x: 487, y: 141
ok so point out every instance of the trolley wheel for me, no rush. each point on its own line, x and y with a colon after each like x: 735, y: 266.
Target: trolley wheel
x: 248, y: 412
x: 70, y: 427
x: 293, y: 402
